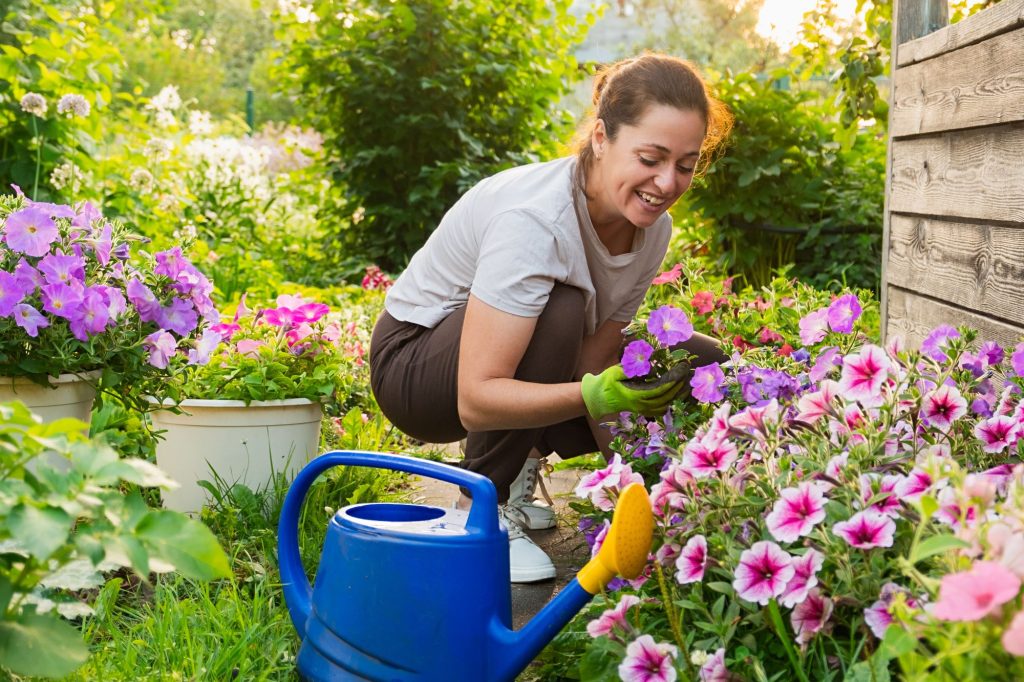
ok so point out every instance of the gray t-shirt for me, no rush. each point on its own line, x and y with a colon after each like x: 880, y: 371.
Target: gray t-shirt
x: 510, y: 238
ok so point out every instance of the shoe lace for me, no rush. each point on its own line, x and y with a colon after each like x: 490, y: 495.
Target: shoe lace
x: 534, y: 477
x: 513, y: 519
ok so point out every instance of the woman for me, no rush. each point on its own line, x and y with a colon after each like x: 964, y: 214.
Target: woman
x: 506, y: 327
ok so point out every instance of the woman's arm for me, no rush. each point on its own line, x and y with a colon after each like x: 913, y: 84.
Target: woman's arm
x: 492, y: 346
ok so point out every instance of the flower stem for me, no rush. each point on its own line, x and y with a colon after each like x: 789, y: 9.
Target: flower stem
x: 780, y: 630
x: 670, y: 611
x: 39, y: 160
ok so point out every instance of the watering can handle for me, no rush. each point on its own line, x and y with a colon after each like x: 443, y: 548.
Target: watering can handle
x: 483, y: 515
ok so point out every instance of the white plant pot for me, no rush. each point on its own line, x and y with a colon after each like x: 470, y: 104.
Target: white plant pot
x: 71, y: 396
x: 242, y: 443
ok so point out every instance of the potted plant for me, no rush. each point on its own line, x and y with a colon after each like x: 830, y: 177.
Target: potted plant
x: 254, y: 409
x: 79, y: 308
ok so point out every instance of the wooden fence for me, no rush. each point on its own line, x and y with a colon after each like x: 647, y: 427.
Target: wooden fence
x: 954, y: 215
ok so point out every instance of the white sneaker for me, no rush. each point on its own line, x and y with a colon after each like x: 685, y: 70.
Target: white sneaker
x: 527, y: 562
x: 530, y: 513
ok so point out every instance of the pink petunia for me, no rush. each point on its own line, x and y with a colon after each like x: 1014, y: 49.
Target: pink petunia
x: 973, y: 594
x: 874, y: 485
x: 669, y: 275
x: 763, y: 572
x: 913, y: 485
x: 703, y: 457
x: 692, y: 560
x: 1017, y: 360
x: 805, y: 577
x: 714, y: 669
x: 935, y: 343
x: 703, y: 302
x: 824, y: 362
x: 1013, y: 636
x: 278, y: 317
x: 997, y: 433
x: 648, y: 661
x: 600, y: 478
x: 843, y: 312
x: 813, y: 327
x: 671, y: 491
x: 613, y: 618
x: 796, y: 512
x: 810, y: 616
x: 200, y: 354
x: 669, y: 325
x: 814, y: 405
x: 250, y: 347
x: 864, y: 373
x: 757, y: 421
x: 943, y: 406
x: 707, y: 383
x: 878, y: 618
x: 866, y: 529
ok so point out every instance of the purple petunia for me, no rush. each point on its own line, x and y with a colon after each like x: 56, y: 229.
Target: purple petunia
x: 669, y: 325
x: 707, y: 382
x: 934, y: 345
x: 636, y: 358
x: 843, y: 312
x: 30, y: 231
x: 29, y: 319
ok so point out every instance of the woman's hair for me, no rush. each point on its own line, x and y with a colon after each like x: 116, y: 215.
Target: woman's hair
x: 623, y: 92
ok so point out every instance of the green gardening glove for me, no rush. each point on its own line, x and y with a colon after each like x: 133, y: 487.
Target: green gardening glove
x: 605, y: 393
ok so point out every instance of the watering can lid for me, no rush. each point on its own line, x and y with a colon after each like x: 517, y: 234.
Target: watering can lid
x: 413, y: 519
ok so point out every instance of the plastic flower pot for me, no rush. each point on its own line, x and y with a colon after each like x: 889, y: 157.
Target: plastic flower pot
x: 235, y: 442
x: 71, y: 395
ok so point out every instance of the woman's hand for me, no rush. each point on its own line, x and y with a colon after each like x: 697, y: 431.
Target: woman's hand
x: 605, y: 393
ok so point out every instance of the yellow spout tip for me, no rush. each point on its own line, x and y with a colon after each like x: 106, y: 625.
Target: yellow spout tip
x: 627, y: 544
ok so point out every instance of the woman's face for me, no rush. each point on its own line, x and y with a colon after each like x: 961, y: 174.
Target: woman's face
x: 641, y: 173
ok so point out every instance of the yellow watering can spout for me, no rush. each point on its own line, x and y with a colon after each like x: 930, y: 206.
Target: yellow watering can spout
x: 627, y: 544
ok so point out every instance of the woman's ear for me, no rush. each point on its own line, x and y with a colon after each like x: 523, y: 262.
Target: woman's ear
x: 598, y: 139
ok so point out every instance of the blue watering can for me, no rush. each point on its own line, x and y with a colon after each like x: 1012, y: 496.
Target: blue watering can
x: 415, y: 592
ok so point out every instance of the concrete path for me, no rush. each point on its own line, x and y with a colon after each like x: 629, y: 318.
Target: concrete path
x: 566, y: 547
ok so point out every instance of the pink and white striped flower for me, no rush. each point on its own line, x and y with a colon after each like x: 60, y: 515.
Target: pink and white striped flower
x: 810, y: 616
x: 864, y: 374
x: 997, y: 433
x: 714, y: 669
x: 692, y: 560
x: 813, y: 406
x: 813, y: 327
x: 943, y: 406
x: 952, y: 512
x: 872, y: 485
x: 671, y: 492
x: 705, y: 456
x: 805, y: 577
x: 718, y: 426
x: 757, y: 421
x: 796, y: 512
x: 648, y: 661
x: 866, y: 530
x: 914, y: 484
x: 613, y: 618
x: 763, y: 572
x: 601, y: 478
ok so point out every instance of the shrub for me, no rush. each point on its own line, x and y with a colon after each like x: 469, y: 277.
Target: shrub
x: 419, y: 99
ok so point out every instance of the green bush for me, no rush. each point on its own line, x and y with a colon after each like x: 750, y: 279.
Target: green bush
x: 419, y: 99
x: 786, y: 191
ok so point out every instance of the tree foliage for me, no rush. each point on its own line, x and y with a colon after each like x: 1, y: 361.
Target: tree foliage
x: 419, y: 99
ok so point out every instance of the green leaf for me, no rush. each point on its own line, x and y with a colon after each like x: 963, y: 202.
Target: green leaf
x: 929, y: 505
x: 43, y: 645
x: 936, y: 544
x: 40, y: 531
x: 185, y: 543
x: 897, y: 642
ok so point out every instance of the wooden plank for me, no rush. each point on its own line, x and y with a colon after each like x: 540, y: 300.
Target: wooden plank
x: 919, y: 18
x: 975, y: 174
x: 982, y: 84
x: 978, y: 267
x: 914, y: 317
x: 1004, y: 16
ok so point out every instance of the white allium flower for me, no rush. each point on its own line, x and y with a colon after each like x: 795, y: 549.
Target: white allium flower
x: 141, y: 180
x: 159, y: 149
x: 67, y: 176
x: 182, y: 38
x: 166, y: 119
x: 167, y: 99
x: 73, y: 105
x: 699, y: 657
x: 208, y: 44
x: 199, y: 122
x: 34, y: 103
x: 306, y: 15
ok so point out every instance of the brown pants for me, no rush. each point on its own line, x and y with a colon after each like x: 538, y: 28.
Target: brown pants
x: 414, y: 371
